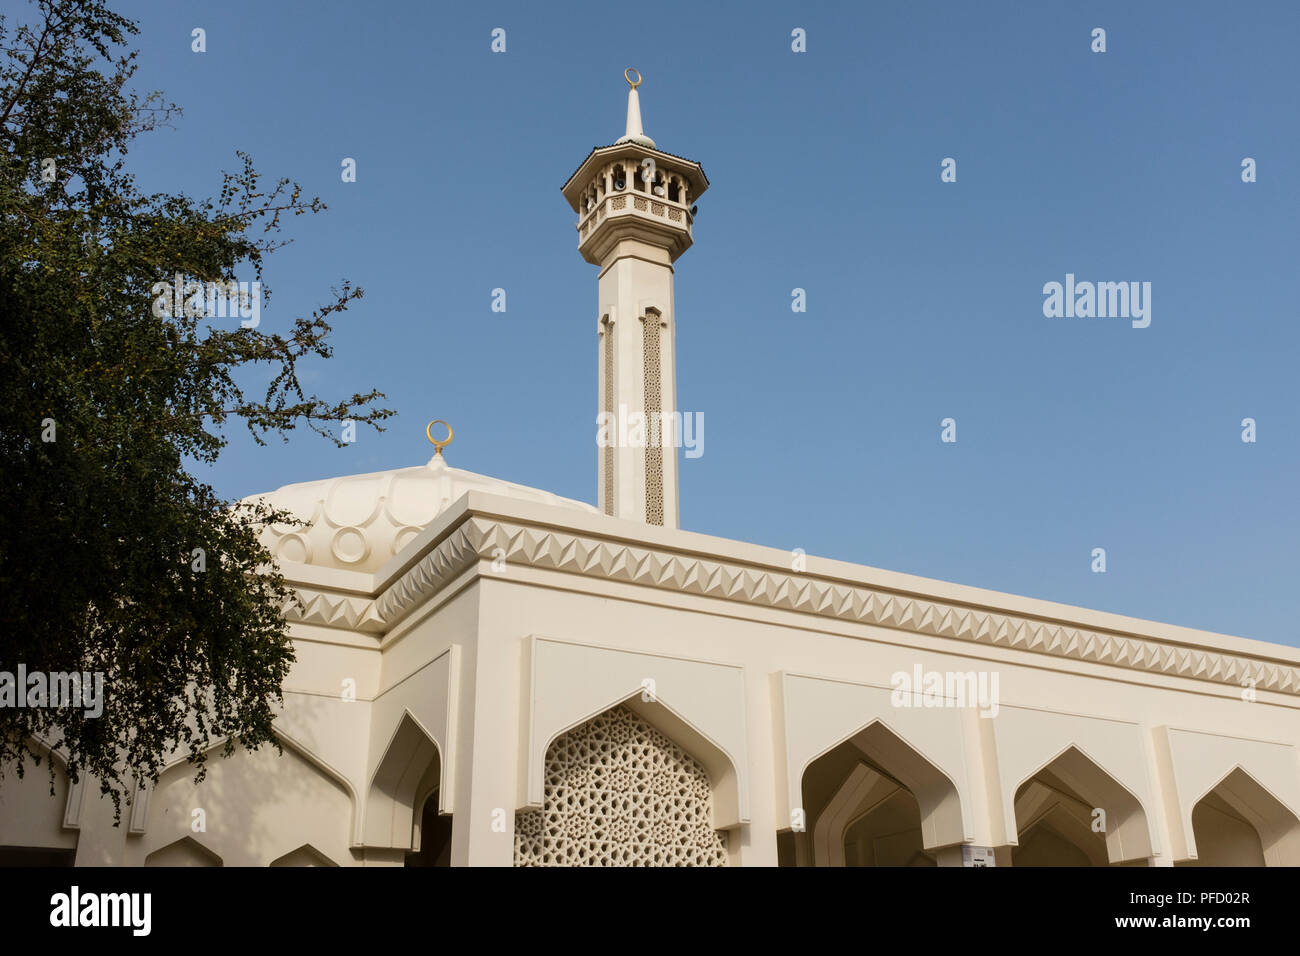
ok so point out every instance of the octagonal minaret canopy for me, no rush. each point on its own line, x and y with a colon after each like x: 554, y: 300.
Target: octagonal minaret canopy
x: 622, y: 167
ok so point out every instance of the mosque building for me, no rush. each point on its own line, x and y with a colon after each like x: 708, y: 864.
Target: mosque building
x: 489, y: 674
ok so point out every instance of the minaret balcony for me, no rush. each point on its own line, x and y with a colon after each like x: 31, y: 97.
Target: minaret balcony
x: 631, y: 213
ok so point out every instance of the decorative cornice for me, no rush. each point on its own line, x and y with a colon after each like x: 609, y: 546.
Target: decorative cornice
x: 459, y: 550
x: 480, y: 537
x: 335, y: 610
x: 641, y: 149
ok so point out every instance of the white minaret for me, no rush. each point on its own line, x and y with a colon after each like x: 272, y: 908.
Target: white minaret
x: 635, y: 212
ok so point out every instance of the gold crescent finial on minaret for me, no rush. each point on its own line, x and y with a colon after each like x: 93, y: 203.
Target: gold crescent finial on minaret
x: 629, y: 79
x: 438, y: 445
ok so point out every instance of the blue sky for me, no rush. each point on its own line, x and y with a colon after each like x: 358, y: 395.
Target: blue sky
x: 822, y: 429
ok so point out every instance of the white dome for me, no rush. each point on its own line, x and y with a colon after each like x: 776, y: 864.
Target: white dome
x: 358, y: 522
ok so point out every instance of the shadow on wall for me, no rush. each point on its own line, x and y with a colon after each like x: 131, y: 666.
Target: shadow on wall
x: 254, y: 808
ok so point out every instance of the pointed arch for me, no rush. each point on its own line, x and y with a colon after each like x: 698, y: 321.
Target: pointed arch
x: 326, y: 769
x: 186, y: 851
x: 861, y: 792
x: 249, y: 809
x: 1240, y: 794
x: 305, y: 855
x: 292, y: 743
x: 698, y: 705
x: 936, y: 794
x: 42, y: 744
x: 716, y: 760
x: 410, y: 760
x: 1123, y: 819
x: 619, y: 791
x: 144, y: 794
x: 1055, y: 827
x: 819, y: 714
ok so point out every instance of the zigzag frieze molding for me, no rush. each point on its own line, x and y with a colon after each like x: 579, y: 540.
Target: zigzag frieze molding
x: 335, y: 610
x: 480, y: 538
x: 457, y: 552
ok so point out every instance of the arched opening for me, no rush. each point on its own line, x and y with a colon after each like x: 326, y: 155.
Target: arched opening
x: 674, y: 191
x: 873, y: 801
x: 619, y: 792
x: 1073, y: 813
x: 305, y: 855
x: 186, y: 851
x: 1239, y: 823
x: 434, y: 841
x: 410, y: 771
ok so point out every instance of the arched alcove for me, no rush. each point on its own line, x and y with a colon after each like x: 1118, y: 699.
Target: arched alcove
x: 1071, y: 812
x: 699, y: 706
x: 305, y: 855
x: 433, y: 839
x: 405, y: 776
x: 620, y: 792
x: 186, y: 851
x: 872, y: 800
x: 1239, y: 823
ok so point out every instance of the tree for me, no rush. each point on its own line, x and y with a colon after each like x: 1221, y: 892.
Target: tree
x: 114, y: 558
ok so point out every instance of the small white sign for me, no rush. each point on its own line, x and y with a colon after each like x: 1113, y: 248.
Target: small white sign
x: 977, y: 856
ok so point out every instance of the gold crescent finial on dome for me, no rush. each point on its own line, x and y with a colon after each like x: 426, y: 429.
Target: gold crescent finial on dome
x: 438, y: 445
x: 629, y: 79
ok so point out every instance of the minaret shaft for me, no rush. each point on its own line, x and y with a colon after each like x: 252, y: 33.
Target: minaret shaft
x: 638, y: 385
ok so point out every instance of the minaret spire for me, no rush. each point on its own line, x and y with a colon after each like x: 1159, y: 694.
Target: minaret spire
x: 634, y: 134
